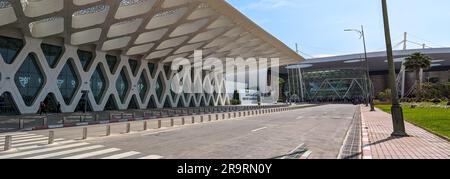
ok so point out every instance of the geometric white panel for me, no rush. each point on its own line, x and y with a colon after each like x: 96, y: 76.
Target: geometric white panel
x: 189, y: 48
x: 172, y: 42
x: 83, y: 2
x: 116, y: 43
x: 189, y: 27
x: 159, y: 54
x: 166, y: 18
x: 140, y: 49
x: 151, y: 36
x: 7, y: 14
x: 234, y: 32
x: 90, y: 16
x: 221, y: 22
x: 125, y: 27
x: 207, y: 35
x: 35, y: 8
x: 171, y: 58
x: 173, y: 3
x: 86, y: 36
x: 200, y: 13
x: 130, y: 8
x: 47, y: 27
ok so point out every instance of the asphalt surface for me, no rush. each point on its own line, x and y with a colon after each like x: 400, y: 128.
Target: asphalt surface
x: 321, y: 129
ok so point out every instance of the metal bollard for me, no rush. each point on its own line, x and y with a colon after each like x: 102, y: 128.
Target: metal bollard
x: 85, y: 133
x: 8, y: 141
x: 172, y: 122
x: 108, y: 130
x: 159, y: 124
x: 145, y: 126
x: 51, y: 137
x: 128, y: 128
x: 201, y: 119
x: 183, y: 121
x: 223, y: 116
x: 217, y: 117
x: 193, y: 120
x: 234, y: 115
x: 209, y: 118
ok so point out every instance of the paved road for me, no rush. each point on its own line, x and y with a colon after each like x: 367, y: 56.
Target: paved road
x: 322, y: 129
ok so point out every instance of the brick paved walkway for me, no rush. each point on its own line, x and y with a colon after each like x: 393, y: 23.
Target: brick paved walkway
x: 378, y: 144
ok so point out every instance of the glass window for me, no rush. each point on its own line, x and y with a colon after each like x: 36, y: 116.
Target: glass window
x: 122, y: 85
x: 68, y: 81
x: 151, y: 67
x: 29, y: 79
x: 9, y: 48
x: 85, y: 58
x: 112, y: 61
x: 159, y: 88
x: 52, y: 53
x: 142, y: 86
x: 111, y: 105
x: 133, y: 103
x: 98, y: 84
x: 168, y: 71
x: 133, y: 65
x: 7, y: 105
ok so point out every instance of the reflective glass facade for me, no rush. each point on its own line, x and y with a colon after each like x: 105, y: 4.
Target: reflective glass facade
x: 9, y: 48
x: 98, y: 84
x: 112, y: 62
x: 342, y: 85
x: 152, y: 69
x: 159, y: 87
x: 29, y: 79
x: 133, y: 65
x: 85, y: 58
x: 52, y: 53
x: 68, y: 81
x: 142, y: 86
x: 122, y: 85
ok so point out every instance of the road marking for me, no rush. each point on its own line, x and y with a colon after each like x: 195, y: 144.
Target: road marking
x: 40, y: 146
x: 152, y: 157
x: 256, y: 130
x: 28, y: 140
x: 157, y: 132
x: 42, y: 150
x: 16, y: 134
x: 2, y: 138
x: 65, y: 152
x: 122, y: 155
x: 91, y: 154
x: 44, y: 141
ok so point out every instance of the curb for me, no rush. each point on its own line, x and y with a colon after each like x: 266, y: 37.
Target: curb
x: 366, y: 149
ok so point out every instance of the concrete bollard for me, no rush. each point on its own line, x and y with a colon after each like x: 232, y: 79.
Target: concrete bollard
x: 234, y: 115
x: 172, y: 122
x: 108, y: 130
x: 217, y: 117
x: 193, y: 120
x: 159, y: 124
x: 85, y: 133
x: 201, y: 119
x: 229, y: 115
x: 51, y: 137
x: 183, y: 121
x: 209, y: 118
x: 8, y: 142
x: 128, y: 128
x: 21, y: 124
x: 223, y: 116
x: 145, y: 126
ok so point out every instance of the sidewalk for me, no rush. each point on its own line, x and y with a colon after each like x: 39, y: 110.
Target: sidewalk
x: 378, y: 143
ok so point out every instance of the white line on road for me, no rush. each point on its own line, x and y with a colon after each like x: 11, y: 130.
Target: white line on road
x: 256, y: 130
x: 66, y: 152
x: 2, y: 138
x: 40, y: 146
x: 41, y: 150
x: 28, y: 140
x: 44, y: 141
x: 122, y: 155
x: 152, y: 157
x: 87, y: 155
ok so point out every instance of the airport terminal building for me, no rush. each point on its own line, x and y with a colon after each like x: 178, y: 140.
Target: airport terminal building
x: 345, y: 77
x: 116, y: 54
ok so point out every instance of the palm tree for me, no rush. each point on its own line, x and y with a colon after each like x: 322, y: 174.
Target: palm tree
x: 417, y: 62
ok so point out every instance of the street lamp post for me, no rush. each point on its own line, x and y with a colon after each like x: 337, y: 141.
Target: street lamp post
x: 369, y: 98
x: 396, y: 109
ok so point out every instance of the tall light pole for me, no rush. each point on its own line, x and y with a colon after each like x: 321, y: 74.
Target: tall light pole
x: 396, y: 109
x: 368, y: 84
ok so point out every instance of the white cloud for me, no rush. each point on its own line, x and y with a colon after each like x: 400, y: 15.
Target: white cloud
x: 271, y: 4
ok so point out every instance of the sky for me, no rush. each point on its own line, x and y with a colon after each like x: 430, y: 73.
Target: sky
x: 318, y: 25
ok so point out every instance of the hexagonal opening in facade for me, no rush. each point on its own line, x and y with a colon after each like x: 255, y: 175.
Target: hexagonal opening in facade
x: 122, y: 85
x: 142, y: 86
x: 68, y: 81
x: 10, y: 48
x: 29, y: 79
x: 52, y: 53
x: 98, y: 83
